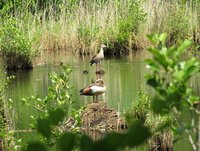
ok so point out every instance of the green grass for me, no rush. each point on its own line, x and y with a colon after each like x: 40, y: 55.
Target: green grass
x: 80, y: 27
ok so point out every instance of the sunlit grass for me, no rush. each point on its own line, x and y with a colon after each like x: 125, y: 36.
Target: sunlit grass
x: 81, y: 27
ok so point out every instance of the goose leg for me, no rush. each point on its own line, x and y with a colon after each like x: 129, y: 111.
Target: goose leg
x: 93, y: 98
x: 97, y: 98
x: 96, y: 67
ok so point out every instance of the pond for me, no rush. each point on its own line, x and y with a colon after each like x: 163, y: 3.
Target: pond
x: 124, y: 78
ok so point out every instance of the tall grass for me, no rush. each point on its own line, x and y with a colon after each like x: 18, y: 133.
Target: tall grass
x: 89, y: 24
x: 80, y: 26
x: 7, y: 140
x: 179, y: 19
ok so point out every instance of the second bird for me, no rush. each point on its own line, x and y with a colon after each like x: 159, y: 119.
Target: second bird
x: 98, y: 57
x: 94, y: 89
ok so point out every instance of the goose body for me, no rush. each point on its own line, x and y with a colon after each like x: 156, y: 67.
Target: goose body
x: 98, y: 57
x: 96, y: 88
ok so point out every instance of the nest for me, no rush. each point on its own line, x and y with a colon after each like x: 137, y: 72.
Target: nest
x: 97, y: 119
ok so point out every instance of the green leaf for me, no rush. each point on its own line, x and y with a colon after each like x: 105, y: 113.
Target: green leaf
x: 43, y: 127
x: 152, y: 81
x: 153, y: 38
x: 66, y: 142
x: 152, y: 64
x: 86, y: 143
x: 36, y: 146
x: 159, y: 106
x: 56, y: 116
x: 111, y: 142
x: 183, y: 47
x: 163, y: 38
x: 137, y: 134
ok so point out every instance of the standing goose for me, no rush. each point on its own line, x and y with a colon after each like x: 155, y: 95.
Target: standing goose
x: 94, y: 89
x: 98, y: 57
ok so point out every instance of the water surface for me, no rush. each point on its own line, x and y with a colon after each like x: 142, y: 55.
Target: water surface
x: 124, y: 78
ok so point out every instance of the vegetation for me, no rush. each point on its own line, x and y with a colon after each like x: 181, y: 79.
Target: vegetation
x: 161, y: 138
x: 27, y: 27
x: 7, y: 140
x: 80, y: 26
x: 173, y: 95
x: 16, y: 46
x: 54, y: 108
x: 170, y: 76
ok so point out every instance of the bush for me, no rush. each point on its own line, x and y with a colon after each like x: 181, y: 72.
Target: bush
x: 129, y: 21
x: 16, y: 46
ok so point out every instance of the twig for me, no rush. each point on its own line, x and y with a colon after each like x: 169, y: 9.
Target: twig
x: 191, y: 140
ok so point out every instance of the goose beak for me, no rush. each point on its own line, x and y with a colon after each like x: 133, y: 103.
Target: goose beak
x: 103, y: 46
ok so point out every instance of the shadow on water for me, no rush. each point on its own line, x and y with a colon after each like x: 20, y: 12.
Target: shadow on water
x: 124, y: 78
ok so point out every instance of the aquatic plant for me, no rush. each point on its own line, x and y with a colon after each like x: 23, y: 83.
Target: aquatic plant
x: 80, y: 26
x: 7, y: 139
x: 58, y: 96
x: 169, y: 78
x: 15, y: 47
x: 17, y: 39
x: 161, y: 138
x: 54, y: 107
x: 173, y: 93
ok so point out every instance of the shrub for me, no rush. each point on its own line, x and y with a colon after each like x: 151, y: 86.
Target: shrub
x: 129, y: 21
x: 16, y: 46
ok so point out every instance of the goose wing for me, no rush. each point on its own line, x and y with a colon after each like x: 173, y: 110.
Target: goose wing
x: 92, y: 90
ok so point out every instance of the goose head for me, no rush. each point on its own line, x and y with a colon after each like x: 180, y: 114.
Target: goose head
x: 103, y: 46
x: 100, y: 82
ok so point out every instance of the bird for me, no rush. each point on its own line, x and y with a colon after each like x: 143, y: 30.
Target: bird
x: 95, y: 89
x: 98, y: 57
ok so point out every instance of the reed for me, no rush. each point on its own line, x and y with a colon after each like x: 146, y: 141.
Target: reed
x: 7, y: 139
x: 180, y: 20
x: 81, y: 26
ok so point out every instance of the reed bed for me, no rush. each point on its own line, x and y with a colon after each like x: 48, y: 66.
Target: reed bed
x: 81, y: 26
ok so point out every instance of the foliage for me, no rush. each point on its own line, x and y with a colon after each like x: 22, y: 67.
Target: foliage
x: 128, y: 24
x: 17, y: 42
x: 6, y: 136
x: 83, y: 25
x: 15, y: 47
x: 159, y: 125
x: 174, y: 22
x: 111, y: 142
x: 58, y: 97
x: 53, y: 108
x: 140, y: 110
x: 170, y: 76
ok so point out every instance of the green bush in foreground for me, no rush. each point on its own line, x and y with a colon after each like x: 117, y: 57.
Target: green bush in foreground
x: 7, y: 140
x: 169, y: 78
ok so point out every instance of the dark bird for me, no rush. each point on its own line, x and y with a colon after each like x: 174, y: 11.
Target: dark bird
x: 94, y: 89
x: 98, y: 57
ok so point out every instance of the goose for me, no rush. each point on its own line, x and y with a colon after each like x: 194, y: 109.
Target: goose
x: 94, y: 89
x: 98, y: 57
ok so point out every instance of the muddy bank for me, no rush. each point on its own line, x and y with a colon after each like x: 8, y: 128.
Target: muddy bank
x: 97, y: 119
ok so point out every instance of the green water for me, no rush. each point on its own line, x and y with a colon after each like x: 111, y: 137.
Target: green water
x: 123, y: 77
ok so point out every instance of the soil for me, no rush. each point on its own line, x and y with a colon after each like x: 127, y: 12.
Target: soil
x: 97, y: 119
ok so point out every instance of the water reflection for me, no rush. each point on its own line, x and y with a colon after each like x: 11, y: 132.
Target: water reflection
x: 123, y: 77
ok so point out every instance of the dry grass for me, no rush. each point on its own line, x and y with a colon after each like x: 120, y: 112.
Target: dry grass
x: 82, y: 27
